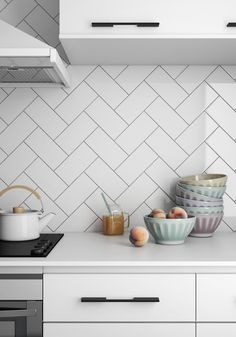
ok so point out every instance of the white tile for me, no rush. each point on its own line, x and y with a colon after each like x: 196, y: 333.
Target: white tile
x: 95, y: 227
x: 140, y: 190
x: 77, y: 74
x: 96, y: 203
x: 76, y: 193
x: 166, y: 117
x: 3, y: 4
x: 49, y: 206
x: 16, y: 163
x: 224, y: 146
x: 2, y: 155
x: 164, y: 176
x: 136, y: 163
x: 174, y: 70
x: 224, y: 115
x: 106, y: 118
x: 196, y: 103
x: 107, y: 179
x: 166, y: 87
x: 219, y: 166
x: 76, y: 102
x: 132, y: 76
x: 203, y: 157
x: 15, y: 12
x: 160, y: 200
x: 227, y: 91
x: 197, y: 132
x: 76, y: 133
x: 52, y: 96
x: 106, y: 87
x: 79, y: 221
x: 3, y: 95
x: 49, y: 30
x: 3, y: 125
x: 16, y: 133
x: 136, y: 219
x: 46, y: 118
x: 46, y: 179
x: 193, y: 76
x: 231, y: 70
x: 52, y: 6
x: 166, y: 148
x: 76, y: 163
x: 114, y: 70
x: 136, y: 103
x: 136, y: 133
x: 219, y: 76
x: 106, y: 148
x: 230, y: 211
x: 45, y: 148
x: 27, y: 29
x: 15, y: 103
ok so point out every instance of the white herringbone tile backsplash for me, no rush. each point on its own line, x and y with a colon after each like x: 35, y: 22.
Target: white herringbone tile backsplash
x: 129, y: 131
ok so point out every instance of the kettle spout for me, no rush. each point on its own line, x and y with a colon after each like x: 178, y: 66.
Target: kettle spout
x: 44, y: 221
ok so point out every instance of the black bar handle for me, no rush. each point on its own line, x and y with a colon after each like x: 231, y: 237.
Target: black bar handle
x: 138, y: 24
x: 231, y: 24
x: 134, y: 299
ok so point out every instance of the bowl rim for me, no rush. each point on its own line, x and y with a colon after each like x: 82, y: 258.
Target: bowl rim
x: 202, y: 201
x: 201, y: 187
x: 180, y: 219
x: 211, y: 176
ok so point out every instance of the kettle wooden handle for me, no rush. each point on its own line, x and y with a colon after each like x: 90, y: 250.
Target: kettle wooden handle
x: 23, y: 187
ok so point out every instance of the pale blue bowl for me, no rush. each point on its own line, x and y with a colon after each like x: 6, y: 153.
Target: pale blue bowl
x: 169, y: 231
x: 212, y: 192
x: 203, y: 210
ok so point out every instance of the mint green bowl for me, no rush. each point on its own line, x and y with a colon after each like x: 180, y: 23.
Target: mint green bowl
x: 203, y: 210
x: 169, y: 231
x: 212, y: 192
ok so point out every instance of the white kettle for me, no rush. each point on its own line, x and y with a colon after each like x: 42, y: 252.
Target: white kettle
x: 21, y: 224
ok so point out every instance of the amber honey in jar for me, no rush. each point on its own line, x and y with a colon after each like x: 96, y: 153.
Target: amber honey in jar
x: 113, y: 224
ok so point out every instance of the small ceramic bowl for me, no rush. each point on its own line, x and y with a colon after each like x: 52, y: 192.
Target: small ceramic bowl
x: 206, y: 225
x: 169, y: 231
x: 187, y: 194
x: 203, y: 210
x: 195, y: 203
x: 209, y: 180
x: 212, y: 192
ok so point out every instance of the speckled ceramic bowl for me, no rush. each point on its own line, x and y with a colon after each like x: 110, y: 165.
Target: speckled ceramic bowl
x: 206, y: 225
x: 212, y: 192
x: 203, y: 210
x: 210, y: 180
x: 169, y: 231
x: 187, y: 194
x: 195, y: 203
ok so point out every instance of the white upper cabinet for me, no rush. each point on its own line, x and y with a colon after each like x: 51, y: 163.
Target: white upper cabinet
x: 93, y: 31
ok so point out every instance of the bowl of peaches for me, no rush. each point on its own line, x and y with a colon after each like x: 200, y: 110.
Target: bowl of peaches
x: 171, y: 228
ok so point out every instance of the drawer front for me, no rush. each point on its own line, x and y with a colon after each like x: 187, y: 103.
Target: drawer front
x: 216, y: 330
x: 185, y: 17
x: 63, y: 293
x: 216, y: 298
x: 117, y: 330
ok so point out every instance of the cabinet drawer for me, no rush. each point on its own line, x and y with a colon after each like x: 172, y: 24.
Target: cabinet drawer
x: 63, y: 293
x: 216, y: 330
x: 216, y: 298
x: 117, y: 330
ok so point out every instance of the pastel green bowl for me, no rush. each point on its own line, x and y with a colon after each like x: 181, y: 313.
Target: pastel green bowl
x: 169, y: 231
x: 203, y: 210
x: 212, y: 192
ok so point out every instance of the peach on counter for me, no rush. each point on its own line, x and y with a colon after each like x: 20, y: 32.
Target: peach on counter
x: 177, y: 213
x: 138, y: 236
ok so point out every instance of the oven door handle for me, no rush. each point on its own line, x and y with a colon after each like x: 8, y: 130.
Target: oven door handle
x: 18, y: 313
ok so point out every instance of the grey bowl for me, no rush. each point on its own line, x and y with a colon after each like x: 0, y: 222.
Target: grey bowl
x: 212, y: 192
x: 197, y: 203
x: 187, y: 194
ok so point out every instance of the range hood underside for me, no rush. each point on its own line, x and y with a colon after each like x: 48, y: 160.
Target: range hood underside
x: 172, y: 50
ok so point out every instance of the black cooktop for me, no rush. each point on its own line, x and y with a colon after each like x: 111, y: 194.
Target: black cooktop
x: 40, y: 247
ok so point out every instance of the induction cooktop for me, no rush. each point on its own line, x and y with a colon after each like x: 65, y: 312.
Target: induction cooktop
x: 40, y: 247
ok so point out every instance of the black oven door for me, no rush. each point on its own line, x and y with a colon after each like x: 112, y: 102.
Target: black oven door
x: 21, y: 319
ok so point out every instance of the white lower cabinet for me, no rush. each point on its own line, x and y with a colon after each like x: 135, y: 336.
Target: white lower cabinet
x: 119, y: 329
x: 216, y: 330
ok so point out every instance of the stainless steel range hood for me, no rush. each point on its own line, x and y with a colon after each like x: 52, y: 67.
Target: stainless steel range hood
x: 27, y: 62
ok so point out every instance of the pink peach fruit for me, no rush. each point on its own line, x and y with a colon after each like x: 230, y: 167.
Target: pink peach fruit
x: 158, y: 213
x: 138, y: 236
x: 177, y: 213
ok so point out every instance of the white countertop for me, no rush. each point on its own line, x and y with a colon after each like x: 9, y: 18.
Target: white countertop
x: 97, y: 250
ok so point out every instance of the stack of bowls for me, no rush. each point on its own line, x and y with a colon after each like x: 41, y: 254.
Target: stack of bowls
x: 201, y: 196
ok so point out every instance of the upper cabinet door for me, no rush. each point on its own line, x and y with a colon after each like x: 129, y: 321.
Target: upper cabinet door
x: 182, y: 17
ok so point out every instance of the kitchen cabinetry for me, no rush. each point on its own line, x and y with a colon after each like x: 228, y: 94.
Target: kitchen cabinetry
x: 94, y: 31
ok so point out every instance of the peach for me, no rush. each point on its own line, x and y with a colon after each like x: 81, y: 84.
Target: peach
x: 177, y: 213
x: 158, y: 213
x: 138, y: 236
